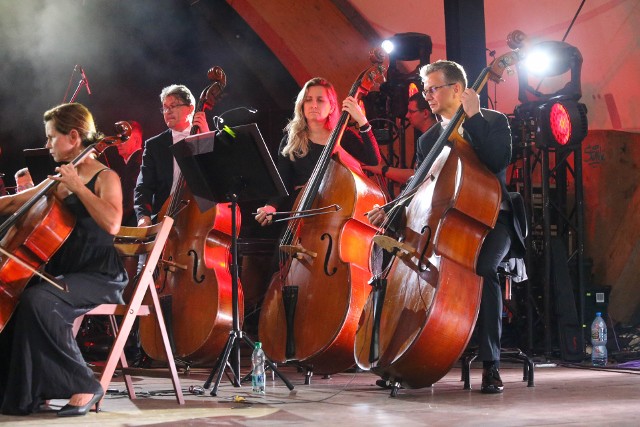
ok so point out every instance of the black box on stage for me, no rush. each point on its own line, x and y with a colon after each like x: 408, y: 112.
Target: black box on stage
x: 596, y: 300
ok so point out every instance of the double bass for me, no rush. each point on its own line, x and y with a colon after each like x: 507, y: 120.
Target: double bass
x: 36, y: 231
x: 310, y: 310
x: 194, y: 280
x: 425, y: 299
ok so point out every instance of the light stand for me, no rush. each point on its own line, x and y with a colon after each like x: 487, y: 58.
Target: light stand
x: 231, y: 165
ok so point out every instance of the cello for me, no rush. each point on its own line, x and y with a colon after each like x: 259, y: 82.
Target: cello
x: 194, y: 280
x: 310, y: 310
x: 425, y: 299
x: 36, y: 231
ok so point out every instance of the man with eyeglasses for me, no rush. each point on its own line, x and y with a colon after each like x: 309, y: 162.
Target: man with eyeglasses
x: 159, y: 170
x: 420, y: 117
x: 487, y: 131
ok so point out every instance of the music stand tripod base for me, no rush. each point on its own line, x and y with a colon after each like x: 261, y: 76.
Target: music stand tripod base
x: 230, y: 166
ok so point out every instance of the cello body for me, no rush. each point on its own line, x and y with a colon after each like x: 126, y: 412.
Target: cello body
x: 35, y: 238
x: 331, y: 288
x: 194, y: 285
x: 425, y: 299
x: 432, y: 296
x: 318, y: 328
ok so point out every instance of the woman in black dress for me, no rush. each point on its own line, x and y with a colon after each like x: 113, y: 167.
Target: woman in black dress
x: 41, y: 359
x: 316, y: 113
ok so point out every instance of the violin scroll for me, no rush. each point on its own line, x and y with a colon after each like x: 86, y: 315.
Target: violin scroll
x: 213, y: 92
x: 123, y: 133
x: 123, y: 130
x: 502, y: 63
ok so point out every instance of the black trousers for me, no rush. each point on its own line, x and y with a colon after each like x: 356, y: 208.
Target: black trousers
x: 494, y: 249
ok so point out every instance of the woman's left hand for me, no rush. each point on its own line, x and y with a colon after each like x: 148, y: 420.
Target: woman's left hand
x: 351, y: 106
x: 69, y: 177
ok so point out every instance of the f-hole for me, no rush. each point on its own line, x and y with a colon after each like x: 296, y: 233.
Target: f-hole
x: 421, y: 266
x: 328, y: 255
x: 195, y: 266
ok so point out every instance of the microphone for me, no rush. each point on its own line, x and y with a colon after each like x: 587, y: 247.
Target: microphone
x: 218, y: 120
x: 84, y: 77
x: 516, y: 39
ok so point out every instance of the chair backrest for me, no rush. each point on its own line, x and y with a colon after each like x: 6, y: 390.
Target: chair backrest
x: 132, y: 241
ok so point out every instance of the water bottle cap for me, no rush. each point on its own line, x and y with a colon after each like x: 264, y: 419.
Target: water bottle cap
x: 258, y: 344
x: 598, y: 314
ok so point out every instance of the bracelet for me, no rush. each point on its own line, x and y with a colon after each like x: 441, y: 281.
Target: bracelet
x: 365, y: 128
x: 385, y: 168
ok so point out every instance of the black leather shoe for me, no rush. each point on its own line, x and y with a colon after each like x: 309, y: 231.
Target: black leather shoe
x: 74, y: 411
x: 491, y: 382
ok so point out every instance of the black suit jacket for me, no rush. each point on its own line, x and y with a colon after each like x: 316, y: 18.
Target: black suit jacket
x: 154, y: 182
x: 490, y: 136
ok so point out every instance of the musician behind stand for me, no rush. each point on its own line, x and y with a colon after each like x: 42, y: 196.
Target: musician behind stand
x: 316, y: 113
x: 40, y: 357
x: 487, y: 131
x: 23, y: 180
x: 159, y: 170
x: 421, y: 118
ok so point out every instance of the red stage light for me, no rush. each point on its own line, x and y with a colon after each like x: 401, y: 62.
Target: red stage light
x: 561, y: 123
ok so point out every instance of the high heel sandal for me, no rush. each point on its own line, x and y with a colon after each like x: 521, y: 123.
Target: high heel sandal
x: 72, y: 411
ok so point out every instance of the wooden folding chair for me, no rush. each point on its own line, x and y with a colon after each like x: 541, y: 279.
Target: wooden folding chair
x: 136, y: 241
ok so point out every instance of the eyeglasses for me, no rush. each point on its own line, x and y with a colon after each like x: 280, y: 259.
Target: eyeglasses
x: 410, y: 111
x: 432, y: 90
x: 171, y: 107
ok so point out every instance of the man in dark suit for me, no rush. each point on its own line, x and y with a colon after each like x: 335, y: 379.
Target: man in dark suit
x: 487, y: 131
x: 159, y: 171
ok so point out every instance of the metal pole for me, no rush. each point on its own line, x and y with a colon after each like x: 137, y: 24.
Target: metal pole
x: 580, y: 237
x: 546, y: 252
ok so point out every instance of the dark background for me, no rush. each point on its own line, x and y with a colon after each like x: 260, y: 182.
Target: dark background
x: 129, y: 51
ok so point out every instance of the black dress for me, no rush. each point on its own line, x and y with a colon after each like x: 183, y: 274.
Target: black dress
x: 40, y: 357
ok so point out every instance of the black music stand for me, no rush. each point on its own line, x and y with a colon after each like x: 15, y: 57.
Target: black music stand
x: 230, y: 165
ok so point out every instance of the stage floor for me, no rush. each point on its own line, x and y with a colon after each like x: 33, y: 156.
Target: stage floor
x: 562, y: 395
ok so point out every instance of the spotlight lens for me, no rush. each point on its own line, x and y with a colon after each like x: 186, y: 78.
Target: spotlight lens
x: 538, y: 62
x: 560, y: 123
x: 387, y: 46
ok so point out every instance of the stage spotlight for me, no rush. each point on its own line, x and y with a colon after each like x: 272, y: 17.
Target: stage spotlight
x: 387, y: 46
x: 543, y: 60
x: 551, y: 58
x: 406, y: 47
x: 561, y: 123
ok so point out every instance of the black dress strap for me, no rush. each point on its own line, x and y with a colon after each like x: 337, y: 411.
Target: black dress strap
x: 92, y: 182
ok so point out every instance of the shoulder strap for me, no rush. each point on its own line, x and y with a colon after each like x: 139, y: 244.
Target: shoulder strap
x: 92, y: 182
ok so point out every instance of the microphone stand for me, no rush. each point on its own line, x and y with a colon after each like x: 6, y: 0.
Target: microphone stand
x: 218, y: 120
x: 82, y: 82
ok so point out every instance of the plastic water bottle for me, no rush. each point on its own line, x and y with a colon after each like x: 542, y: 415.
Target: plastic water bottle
x: 599, y: 341
x: 257, y: 372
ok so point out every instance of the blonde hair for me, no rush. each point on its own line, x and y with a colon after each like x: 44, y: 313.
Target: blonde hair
x: 66, y: 117
x: 298, y: 129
